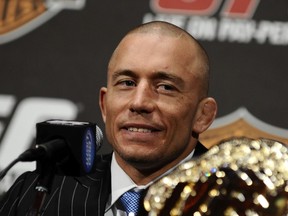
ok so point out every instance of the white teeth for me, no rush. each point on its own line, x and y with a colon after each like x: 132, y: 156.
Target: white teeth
x: 142, y: 130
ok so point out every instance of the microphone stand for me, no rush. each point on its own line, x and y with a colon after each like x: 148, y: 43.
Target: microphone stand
x: 45, y: 179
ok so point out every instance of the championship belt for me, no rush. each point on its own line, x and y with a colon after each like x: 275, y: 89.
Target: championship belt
x: 240, y: 176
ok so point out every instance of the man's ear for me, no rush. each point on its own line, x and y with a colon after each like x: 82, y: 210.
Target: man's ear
x: 102, y: 102
x: 205, y: 115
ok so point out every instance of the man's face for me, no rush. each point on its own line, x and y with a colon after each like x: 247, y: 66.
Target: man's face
x: 151, y: 99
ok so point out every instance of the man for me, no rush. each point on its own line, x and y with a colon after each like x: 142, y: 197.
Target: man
x: 154, y: 107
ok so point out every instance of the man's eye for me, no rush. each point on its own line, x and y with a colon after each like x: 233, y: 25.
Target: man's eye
x: 127, y: 83
x: 166, y: 87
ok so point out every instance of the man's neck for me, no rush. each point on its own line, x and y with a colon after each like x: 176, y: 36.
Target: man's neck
x: 142, y: 175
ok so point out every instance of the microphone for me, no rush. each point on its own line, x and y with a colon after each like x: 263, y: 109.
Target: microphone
x: 69, y: 146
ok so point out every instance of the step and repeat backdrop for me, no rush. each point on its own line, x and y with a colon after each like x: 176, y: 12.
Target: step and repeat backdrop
x: 54, y: 54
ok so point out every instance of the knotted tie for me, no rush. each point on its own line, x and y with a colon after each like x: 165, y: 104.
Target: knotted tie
x: 131, y: 202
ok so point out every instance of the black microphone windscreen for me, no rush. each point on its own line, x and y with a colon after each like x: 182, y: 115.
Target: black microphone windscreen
x: 81, y: 143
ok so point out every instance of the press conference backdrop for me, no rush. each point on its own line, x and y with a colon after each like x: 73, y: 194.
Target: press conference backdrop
x: 54, y: 54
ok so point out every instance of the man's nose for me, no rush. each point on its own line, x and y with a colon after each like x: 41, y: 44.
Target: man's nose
x: 143, y: 100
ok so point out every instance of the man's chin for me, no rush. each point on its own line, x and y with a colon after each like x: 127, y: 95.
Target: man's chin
x: 142, y: 161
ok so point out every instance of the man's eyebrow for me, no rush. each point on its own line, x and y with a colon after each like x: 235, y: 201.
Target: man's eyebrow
x: 160, y: 75
x: 123, y: 73
x: 168, y: 76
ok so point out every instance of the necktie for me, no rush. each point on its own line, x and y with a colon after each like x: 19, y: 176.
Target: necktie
x: 131, y: 202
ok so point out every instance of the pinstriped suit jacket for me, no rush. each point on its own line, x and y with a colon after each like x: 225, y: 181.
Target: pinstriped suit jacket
x: 69, y: 196
x: 76, y: 196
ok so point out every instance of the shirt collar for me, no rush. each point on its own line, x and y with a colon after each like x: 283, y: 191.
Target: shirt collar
x: 121, y: 182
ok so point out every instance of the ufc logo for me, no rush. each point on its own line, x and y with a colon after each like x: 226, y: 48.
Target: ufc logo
x: 230, y: 8
x: 24, y: 114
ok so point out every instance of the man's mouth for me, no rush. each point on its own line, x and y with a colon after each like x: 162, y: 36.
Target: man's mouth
x: 140, y: 130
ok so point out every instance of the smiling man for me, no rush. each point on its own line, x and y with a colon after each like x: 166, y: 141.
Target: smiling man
x: 154, y: 107
x: 155, y: 104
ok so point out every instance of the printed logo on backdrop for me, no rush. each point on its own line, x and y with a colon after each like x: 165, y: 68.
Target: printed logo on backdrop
x: 20, y: 17
x: 18, y: 120
x: 220, y: 20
